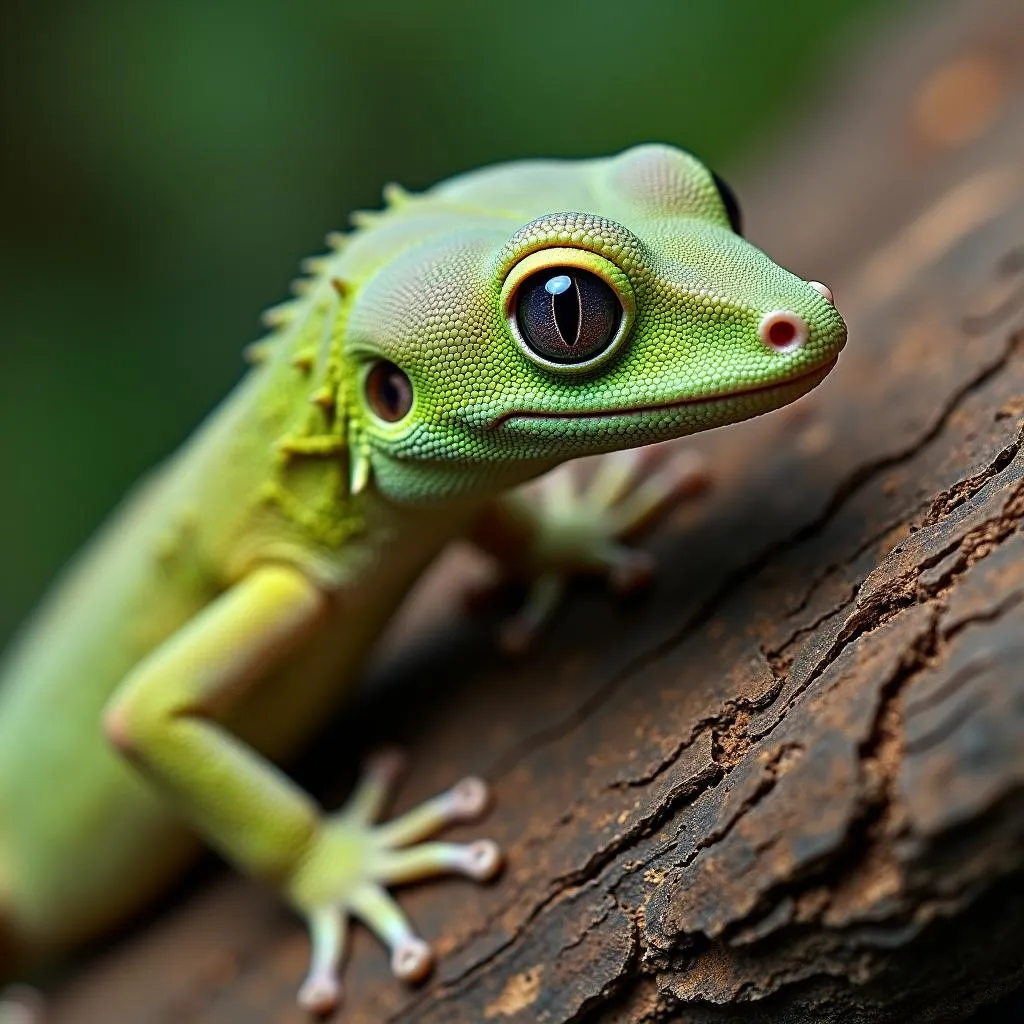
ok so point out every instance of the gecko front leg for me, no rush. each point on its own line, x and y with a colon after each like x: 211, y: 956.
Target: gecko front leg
x: 166, y: 718
x: 567, y: 525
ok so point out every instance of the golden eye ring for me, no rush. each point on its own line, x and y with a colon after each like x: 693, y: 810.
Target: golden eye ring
x: 569, y: 310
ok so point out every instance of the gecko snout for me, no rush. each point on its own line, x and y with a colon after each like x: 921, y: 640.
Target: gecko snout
x: 824, y: 291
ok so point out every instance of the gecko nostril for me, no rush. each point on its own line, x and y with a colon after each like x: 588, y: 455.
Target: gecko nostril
x: 823, y: 290
x: 782, y: 330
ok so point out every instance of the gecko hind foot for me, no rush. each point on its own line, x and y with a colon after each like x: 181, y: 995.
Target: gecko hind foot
x: 352, y: 863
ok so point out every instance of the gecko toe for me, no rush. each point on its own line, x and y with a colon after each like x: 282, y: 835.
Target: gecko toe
x: 411, y: 959
x: 320, y: 995
x: 632, y: 572
x: 483, y: 860
x: 469, y: 798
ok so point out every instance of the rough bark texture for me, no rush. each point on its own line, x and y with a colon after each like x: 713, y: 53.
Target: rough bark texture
x: 788, y: 785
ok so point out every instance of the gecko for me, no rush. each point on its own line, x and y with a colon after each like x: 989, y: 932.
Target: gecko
x: 453, y: 346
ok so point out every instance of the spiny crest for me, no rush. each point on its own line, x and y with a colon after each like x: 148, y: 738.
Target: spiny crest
x: 304, y: 359
x: 314, y: 268
x: 258, y: 352
x: 286, y: 313
x: 316, y: 328
x: 395, y: 196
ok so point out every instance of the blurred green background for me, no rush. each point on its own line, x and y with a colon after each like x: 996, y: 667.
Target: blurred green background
x: 166, y: 163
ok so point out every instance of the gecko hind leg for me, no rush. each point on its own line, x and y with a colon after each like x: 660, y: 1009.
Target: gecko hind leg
x: 349, y: 869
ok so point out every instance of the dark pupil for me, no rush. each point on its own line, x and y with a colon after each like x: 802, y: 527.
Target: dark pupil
x: 566, y: 314
x: 389, y: 391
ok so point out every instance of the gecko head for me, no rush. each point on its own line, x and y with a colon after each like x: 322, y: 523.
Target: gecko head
x: 638, y: 314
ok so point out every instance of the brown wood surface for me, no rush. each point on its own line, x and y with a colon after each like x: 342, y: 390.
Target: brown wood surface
x: 788, y: 784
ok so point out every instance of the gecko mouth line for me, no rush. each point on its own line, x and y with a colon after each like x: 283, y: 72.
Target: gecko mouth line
x: 538, y: 414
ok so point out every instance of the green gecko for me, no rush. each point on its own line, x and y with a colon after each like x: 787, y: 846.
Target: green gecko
x: 452, y: 347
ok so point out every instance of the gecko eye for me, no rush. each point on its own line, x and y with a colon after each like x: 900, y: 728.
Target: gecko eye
x: 731, y: 204
x: 388, y: 391
x: 567, y: 314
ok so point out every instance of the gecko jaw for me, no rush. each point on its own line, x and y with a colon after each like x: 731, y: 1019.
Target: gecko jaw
x: 815, y: 375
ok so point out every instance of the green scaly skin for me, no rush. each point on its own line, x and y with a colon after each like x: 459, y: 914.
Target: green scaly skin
x: 218, y: 616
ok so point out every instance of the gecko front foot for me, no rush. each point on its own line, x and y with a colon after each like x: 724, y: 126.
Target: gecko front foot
x: 353, y: 861
x: 576, y: 526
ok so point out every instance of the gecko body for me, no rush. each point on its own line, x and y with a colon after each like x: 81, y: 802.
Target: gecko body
x: 456, y: 345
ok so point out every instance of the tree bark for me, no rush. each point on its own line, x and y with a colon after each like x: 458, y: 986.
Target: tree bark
x: 788, y: 784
